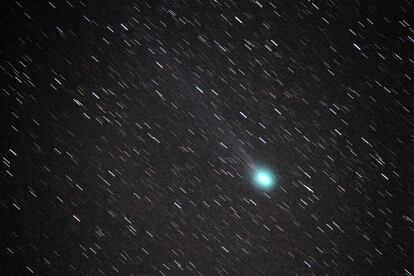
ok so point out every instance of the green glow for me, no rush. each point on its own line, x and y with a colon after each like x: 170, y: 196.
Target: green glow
x: 264, y: 179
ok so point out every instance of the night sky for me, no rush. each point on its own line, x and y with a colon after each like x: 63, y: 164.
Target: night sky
x: 133, y: 132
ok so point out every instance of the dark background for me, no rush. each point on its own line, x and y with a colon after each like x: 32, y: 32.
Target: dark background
x: 113, y: 113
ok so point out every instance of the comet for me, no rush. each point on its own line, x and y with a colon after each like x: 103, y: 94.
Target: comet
x: 264, y: 179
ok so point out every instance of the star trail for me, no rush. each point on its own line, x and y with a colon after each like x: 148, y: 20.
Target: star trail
x: 206, y: 137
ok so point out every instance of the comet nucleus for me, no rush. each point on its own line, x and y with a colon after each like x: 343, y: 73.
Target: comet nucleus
x: 264, y: 179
